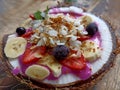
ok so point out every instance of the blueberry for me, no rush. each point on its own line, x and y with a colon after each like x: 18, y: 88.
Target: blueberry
x: 60, y: 52
x: 92, y: 29
x: 20, y: 31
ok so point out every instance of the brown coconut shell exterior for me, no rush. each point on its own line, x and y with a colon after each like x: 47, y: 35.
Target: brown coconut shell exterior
x: 77, y: 85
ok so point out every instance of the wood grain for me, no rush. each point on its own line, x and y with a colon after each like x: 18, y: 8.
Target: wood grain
x: 13, y: 12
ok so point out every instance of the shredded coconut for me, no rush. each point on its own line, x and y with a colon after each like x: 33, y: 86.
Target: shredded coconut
x: 59, y: 29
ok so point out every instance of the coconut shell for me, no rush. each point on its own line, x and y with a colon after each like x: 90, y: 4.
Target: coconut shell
x: 77, y: 85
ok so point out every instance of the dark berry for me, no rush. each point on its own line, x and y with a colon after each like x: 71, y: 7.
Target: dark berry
x: 20, y: 31
x: 92, y: 29
x: 60, y: 52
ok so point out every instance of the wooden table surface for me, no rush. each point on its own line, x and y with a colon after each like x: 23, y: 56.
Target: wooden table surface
x: 13, y: 12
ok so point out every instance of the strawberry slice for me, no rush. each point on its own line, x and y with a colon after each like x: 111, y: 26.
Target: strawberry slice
x: 27, y: 34
x: 33, y: 55
x: 83, y: 38
x: 32, y: 16
x: 77, y: 63
x: 42, y: 50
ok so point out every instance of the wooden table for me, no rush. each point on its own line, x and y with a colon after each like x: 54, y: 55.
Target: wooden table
x: 13, y: 12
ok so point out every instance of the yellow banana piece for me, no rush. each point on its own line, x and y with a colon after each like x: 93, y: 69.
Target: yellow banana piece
x: 15, y: 47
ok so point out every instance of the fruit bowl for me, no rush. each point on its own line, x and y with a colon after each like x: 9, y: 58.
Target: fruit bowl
x: 73, y: 85
x: 28, y: 81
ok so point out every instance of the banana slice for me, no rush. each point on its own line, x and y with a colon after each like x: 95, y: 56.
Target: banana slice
x: 50, y: 61
x: 90, y: 50
x: 15, y: 47
x: 37, y: 72
x: 86, y: 20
